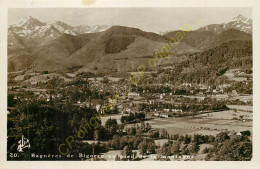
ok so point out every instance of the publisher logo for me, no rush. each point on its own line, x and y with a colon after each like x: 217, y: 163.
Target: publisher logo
x: 23, y: 143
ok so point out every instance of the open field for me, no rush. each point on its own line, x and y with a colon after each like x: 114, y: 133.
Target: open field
x: 227, y: 115
x: 113, y: 116
x: 35, y: 90
x: 242, y: 108
x: 239, y: 79
x: 231, y: 73
x: 97, y: 78
x: 160, y: 142
x: 242, y: 98
x: 210, y: 124
x: 110, y: 155
x: 113, y: 79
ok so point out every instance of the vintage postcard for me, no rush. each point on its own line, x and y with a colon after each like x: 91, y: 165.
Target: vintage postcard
x: 129, y: 82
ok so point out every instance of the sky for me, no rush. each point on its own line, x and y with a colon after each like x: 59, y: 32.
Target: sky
x: 147, y: 19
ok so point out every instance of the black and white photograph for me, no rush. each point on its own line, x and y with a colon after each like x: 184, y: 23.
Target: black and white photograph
x: 138, y: 84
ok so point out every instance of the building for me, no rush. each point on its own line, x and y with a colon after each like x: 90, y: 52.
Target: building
x: 98, y: 107
x: 164, y: 115
x: 177, y: 110
x: 156, y: 114
x: 133, y: 94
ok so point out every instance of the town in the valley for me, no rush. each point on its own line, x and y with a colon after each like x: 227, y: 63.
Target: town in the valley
x: 196, y: 104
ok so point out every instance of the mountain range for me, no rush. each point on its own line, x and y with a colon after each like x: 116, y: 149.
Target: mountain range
x: 240, y: 23
x: 57, y: 46
x: 34, y: 31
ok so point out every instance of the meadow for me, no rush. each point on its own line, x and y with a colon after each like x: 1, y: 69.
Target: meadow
x: 207, y: 124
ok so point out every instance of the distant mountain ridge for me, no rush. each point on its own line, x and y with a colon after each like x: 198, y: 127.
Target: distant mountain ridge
x: 204, y: 40
x: 240, y: 28
x: 34, y: 31
x: 240, y: 23
x: 57, y: 46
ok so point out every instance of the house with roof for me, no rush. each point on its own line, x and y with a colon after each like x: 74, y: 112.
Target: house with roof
x: 133, y: 94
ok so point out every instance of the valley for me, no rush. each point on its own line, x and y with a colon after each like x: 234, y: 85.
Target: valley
x: 195, y: 102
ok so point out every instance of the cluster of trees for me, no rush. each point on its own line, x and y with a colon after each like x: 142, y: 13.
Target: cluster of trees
x: 78, y: 89
x: 111, y: 126
x: 128, y: 154
x: 133, y: 118
x: 239, y: 102
x: 187, y: 144
x: 223, y: 147
x: 89, y: 149
x: 156, y: 134
x: 44, y: 126
x: 11, y: 101
x: 186, y: 107
x: 83, y: 92
x: 178, y: 148
x: 148, y: 90
x: 207, y: 67
x: 145, y: 146
x: 155, y: 89
x: 47, y: 125
x: 196, y: 138
x: 242, y: 87
x: 140, y: 129
x: 230, y: 149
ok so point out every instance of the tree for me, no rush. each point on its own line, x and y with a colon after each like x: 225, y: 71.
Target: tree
x: 185, y: 150
x: 205, y: 150
x: 154, y: 134
x: 142, y: 147
x: 140, y: 116
x: 48, y: 126
x: 187, y: 139
x: 117, y: 158
x: 111, y: 125
x: 164, y: 134
x: 194, y: 148
x: 123, y: 119
x: 115, y: 142
x: 147, y: 146
x: 11, y: 100
x: 181, y: 138
x: 236, y: 149
x: 143, y: 126
x: 139, y: 132
x: 128, y: 153
x: 148, y: 127
x: 221, y: 137
x: 176, y: 136
x: 105, y: 80
x: 175, y: 149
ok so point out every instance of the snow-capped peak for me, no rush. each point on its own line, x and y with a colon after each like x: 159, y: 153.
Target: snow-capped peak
x: 29, y: 23
x: 59, y: 23
x: 239, y: 22
x: 41, y: 32
x: 243, y: 19
x: 63, y: 27
x: 100, y: 28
